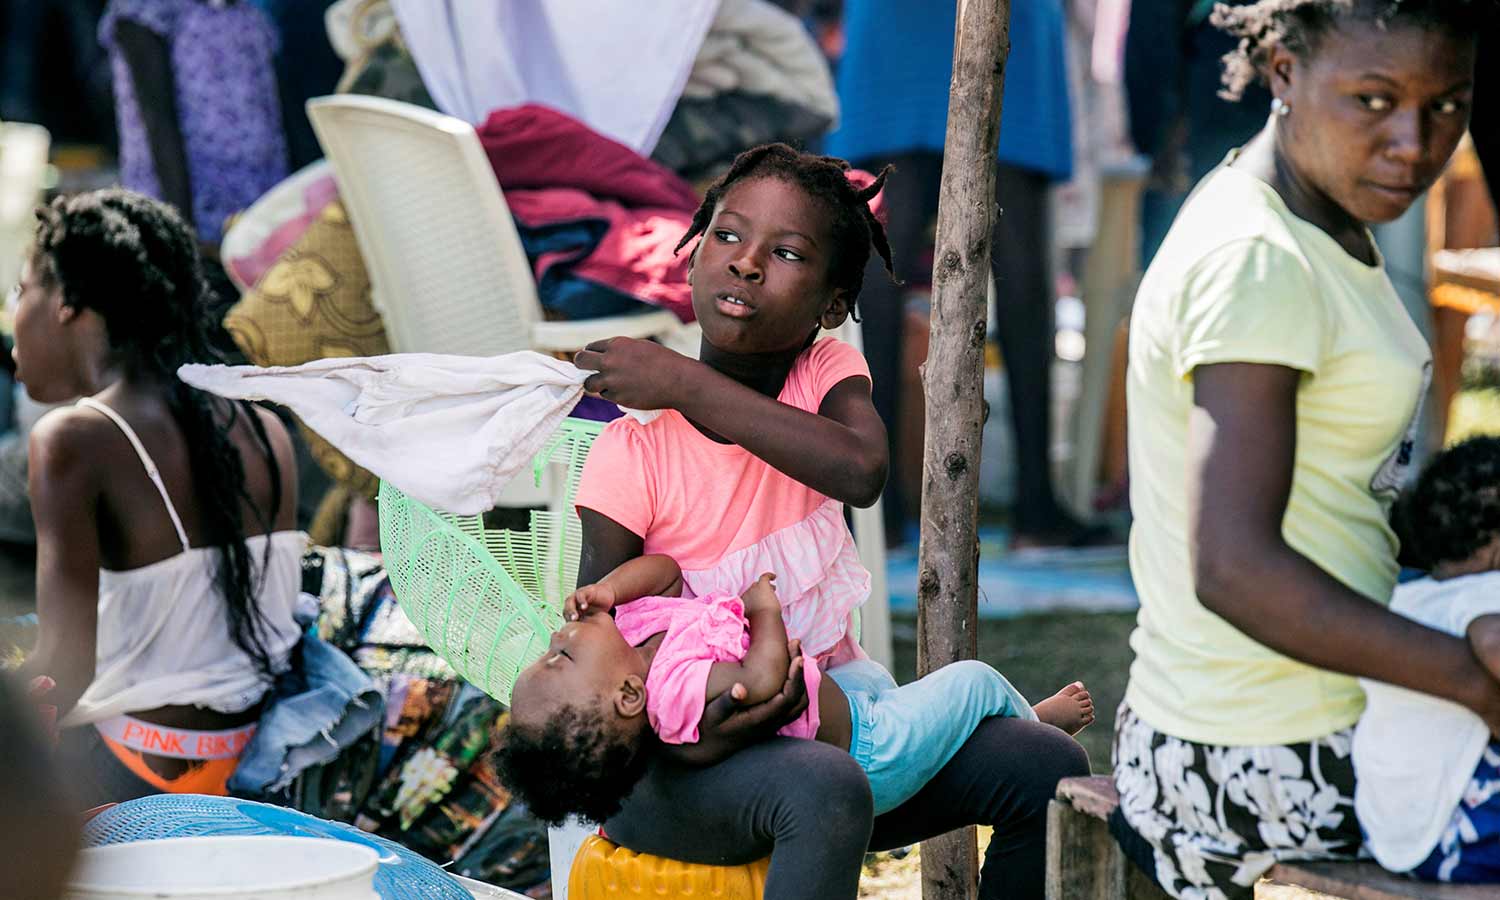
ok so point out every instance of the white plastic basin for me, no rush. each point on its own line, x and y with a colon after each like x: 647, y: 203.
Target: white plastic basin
x: 226, y: 868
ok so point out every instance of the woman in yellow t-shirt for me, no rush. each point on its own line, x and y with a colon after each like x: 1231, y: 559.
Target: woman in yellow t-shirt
x: 1274, y: 385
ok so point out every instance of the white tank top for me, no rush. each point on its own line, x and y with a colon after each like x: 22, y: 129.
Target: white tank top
x: 163, y: 632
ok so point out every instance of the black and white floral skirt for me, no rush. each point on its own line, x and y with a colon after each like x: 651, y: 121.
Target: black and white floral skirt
x: 1213, y: 820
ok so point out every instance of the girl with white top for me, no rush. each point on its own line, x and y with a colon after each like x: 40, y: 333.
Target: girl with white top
x: 167, y: 561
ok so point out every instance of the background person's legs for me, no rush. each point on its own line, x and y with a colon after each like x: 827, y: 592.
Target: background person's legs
x: 1004, y: 776
x: 909, y: 202
x: 1025, y: 322
x: 806, y: 804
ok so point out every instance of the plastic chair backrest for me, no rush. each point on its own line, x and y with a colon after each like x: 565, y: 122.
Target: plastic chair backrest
x: 487, y: 599
x: 447, y: 266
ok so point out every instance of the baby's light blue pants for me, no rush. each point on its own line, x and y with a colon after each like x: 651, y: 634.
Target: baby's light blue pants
x: 902, y: 736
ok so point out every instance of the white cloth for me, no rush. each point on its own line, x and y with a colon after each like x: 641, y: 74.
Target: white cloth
x: 164, y: 638
x: 617, y: 67
x: 1413, y: 753
x: 451, y: 431
x: 758, y: 48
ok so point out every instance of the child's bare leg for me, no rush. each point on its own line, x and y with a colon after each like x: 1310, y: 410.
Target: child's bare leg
x: 1071, y: 709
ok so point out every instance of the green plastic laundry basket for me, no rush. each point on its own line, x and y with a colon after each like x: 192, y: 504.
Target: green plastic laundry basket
x: 487, y: 599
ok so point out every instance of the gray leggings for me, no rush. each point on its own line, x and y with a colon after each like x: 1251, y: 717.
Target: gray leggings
x: 808, y: 806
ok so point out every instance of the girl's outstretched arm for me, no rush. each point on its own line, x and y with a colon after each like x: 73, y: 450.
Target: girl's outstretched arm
x: 841, y: 451
x: 644, y: 576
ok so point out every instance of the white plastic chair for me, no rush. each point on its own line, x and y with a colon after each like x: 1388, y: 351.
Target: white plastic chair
x: 869, y: 539
x: 447, y: 267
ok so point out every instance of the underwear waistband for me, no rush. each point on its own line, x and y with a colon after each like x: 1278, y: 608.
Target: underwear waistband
x: 176, y: 743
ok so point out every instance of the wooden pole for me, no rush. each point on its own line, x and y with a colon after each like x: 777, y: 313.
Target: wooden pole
x: 953, y: 380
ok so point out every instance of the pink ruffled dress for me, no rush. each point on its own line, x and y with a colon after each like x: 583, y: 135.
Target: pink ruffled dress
x: 700, y: 631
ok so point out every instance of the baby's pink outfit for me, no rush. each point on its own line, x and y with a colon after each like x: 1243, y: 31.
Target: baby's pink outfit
x: 700, y: 631
x: 726, y: 516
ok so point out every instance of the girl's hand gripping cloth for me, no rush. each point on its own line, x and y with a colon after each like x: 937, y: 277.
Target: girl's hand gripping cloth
x: 450, y: 431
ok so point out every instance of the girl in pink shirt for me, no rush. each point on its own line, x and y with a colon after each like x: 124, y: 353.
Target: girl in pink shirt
x: 763, y: 440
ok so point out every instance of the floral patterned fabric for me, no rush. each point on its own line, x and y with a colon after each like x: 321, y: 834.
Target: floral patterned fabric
x: 1469, y: 850
x: 425, y: 779
x: 1218, y: 818
x: 228, y: 110
x: 313, y: 303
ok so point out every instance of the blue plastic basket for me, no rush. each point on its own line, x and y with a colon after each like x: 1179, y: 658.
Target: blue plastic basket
x: 402, y: 875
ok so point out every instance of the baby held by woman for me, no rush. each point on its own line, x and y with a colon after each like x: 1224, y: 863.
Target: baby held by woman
x: 1428, y: 788
x: 585, y: 716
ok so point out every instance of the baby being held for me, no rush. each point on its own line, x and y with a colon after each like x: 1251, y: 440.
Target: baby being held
x: 1428, y: 771
x: 585, y: 717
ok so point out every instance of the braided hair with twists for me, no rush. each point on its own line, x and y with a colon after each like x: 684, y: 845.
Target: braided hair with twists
x: 1298, y: 25
x: 826, y: 180
x: 134, y: 261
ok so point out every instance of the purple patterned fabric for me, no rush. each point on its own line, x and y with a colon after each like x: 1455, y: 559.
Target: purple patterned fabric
x: 227, y: 107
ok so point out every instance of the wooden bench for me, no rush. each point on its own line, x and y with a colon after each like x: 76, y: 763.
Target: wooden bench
x: 1085, y: 863
x: 1083, y: 860
x: 1358, y: 881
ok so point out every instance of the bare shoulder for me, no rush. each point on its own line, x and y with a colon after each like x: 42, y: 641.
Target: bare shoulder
x: 68, y: 440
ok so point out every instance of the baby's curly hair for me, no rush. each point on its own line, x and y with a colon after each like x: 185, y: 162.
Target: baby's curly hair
x: 574, y: 764
x: 1298, y: 25
x: 825, y: 179
x: 1453, y: 510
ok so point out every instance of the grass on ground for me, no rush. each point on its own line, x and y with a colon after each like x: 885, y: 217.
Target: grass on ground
x: 1039, y: 654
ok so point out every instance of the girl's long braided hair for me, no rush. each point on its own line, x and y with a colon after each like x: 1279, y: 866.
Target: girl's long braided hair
x: 1298, y: 24
x: 825, y: 179
x: 134, y: 261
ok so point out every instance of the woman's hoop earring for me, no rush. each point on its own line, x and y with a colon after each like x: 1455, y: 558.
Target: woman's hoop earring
x: 1281, y: 108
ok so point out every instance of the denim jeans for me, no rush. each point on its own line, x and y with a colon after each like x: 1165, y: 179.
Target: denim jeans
x: 317, y: 710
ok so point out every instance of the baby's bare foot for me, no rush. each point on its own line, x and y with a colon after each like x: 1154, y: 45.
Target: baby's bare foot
x: 1071, y: 709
